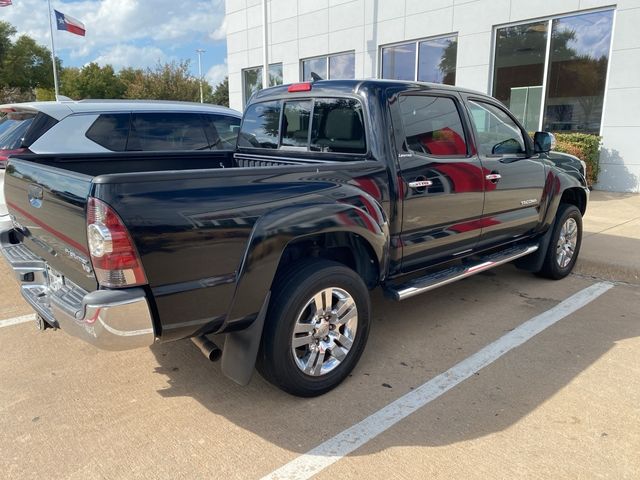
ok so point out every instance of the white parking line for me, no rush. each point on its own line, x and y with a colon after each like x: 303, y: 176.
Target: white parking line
x: 16, y: 320
x: 329, y: 452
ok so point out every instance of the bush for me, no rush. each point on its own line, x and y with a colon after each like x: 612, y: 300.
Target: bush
x: 584, y: 146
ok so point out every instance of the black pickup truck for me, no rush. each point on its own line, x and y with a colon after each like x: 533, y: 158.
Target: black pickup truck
x: 335, y: 188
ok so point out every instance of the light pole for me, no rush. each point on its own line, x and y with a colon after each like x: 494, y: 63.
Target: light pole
x: 200, y: 51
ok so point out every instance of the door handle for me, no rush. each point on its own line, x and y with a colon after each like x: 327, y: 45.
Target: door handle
x: 493, y: 177
x: 420, y: 183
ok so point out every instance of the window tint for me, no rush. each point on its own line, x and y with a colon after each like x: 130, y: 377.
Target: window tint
x: 13, y: 128
x: 222, y: 131
x: 432, y: 125
x: 167, y: 131
x: 496, y: 131
x: 338, y: 126
x: 41, y: 124
x: 260, y: 126
x: 110, y: 131
x: 295, y: 124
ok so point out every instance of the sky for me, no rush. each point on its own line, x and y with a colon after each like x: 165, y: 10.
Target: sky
x: 131, y: 33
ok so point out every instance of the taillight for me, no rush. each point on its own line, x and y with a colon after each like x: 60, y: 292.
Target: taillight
x: 113, y: 255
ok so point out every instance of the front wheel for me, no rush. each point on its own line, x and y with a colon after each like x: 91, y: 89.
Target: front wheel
x: 316, y: 328
x: 565, y: 242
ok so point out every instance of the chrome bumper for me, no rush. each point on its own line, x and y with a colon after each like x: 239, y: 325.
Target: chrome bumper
x: 108, y: 319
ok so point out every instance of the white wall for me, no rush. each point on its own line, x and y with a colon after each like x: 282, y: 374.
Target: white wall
x: 305, y: 28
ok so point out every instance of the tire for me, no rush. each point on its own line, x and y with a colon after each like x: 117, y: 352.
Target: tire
x: 556, y: 266
x: 324, y: 354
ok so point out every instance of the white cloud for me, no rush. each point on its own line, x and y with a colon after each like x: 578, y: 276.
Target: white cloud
x: 121, y: 56
x: 114, y: 25
x: 216, y: 73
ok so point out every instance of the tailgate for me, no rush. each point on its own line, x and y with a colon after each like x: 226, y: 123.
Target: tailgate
x: 48, y: 206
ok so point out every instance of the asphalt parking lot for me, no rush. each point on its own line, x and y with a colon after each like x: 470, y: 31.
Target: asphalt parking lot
x: 562, y: 403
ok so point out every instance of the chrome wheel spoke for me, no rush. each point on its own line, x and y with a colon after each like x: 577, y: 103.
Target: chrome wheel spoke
x: 323, y: 300
x: 341, y: 320
x: 313, y: 365
x: 302, y: 341
x: 303, y: 328
x: 344, y: 341
x: 338, y: 353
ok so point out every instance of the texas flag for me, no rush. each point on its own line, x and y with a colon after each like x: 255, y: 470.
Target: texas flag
x: 70, y: 24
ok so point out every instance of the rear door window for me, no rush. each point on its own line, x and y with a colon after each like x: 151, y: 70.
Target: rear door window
x: 110, y: 131
x: 167, y: 131
x: 260, y: 126
x: 432, y: 125
x: 338, y: 126
x: 13, y: 129
x: 295, y: 125
x: 222, y: 131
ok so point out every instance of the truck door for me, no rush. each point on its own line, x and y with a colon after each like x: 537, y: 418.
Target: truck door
x: 513, y: 178
x: 441, y: 182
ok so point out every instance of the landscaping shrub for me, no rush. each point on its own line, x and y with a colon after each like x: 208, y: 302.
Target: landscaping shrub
x: 584, y: 146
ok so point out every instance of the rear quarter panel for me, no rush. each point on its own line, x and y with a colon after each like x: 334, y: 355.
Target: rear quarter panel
x: 192, y: 229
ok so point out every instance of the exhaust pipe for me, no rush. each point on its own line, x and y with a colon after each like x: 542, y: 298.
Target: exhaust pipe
x: 207, y: 347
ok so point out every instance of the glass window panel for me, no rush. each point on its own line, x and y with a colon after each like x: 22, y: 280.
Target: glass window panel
x: 252, y: 79
x: 275, y: 74
x: 222, y: 131
x: 342, y: 66
x: 260, y: 126
x: 338, y: 126
x: 432, y: 125
x: 519, y: 70
x: 167, y: 131
x: 110, y: 131
x: 399, y: 62
x: 497, y: 133
x: 437, y: 60
x: 577, y: 72
x: 295, y: 124
x: 316, y: 65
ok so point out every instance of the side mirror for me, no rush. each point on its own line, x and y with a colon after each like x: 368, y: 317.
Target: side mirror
x: 543, y: 142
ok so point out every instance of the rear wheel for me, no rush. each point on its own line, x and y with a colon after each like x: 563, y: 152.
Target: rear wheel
x: 316, y: 328
x: 564, y: 244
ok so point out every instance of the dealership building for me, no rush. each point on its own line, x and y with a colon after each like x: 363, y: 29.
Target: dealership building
x: 559, y: 65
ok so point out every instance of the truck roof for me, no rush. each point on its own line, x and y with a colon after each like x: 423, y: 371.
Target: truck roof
x: 64, y: 108
x: 353, y: 86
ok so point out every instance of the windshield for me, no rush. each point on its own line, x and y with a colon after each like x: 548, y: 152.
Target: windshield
x: 13, y: 128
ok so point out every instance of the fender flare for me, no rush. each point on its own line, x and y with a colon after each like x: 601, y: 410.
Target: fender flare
x: 269, y: 238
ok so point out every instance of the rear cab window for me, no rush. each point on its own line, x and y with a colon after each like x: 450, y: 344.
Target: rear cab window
x: 320, y: 125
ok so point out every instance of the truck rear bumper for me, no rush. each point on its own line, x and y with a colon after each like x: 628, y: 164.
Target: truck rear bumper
x: 108, y: 319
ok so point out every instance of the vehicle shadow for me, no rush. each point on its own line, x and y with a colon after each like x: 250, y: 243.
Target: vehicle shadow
x: 410, y: 343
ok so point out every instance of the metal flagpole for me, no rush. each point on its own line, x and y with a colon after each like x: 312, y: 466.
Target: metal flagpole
x: 53, y: 54
x: 265, y: 44
x: 200, y: 51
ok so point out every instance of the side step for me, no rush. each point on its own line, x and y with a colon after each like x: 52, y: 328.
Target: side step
x: 437, y: 279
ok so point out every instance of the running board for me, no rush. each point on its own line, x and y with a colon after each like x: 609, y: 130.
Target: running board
x: 458, y: 272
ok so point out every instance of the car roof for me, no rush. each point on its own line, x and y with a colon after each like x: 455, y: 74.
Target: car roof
x: 64, y: 108
x: 328, y: 87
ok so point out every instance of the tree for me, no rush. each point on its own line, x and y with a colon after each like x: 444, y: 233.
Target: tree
x: 6, y: 32
x: 220, y: 95
x: 91, y: 81
x: 169, y: 81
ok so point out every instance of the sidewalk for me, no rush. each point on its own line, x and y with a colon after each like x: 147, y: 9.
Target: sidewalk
x: 611, y: 240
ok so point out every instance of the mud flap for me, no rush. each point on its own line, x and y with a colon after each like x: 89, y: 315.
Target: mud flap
x: 241, y: 348
x: 533, y: 263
